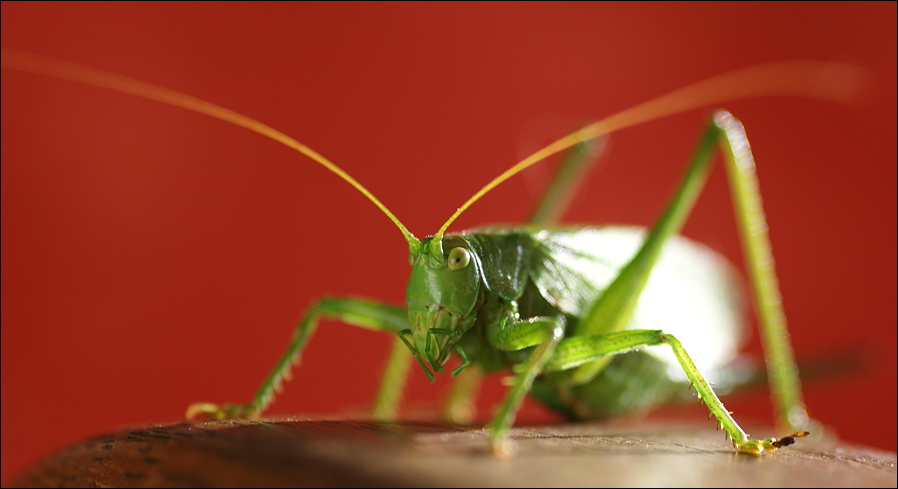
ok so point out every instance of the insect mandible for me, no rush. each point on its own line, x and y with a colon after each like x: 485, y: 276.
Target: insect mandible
x: 557, y: 305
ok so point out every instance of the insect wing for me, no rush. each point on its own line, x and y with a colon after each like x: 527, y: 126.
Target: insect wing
x: 693, y: 292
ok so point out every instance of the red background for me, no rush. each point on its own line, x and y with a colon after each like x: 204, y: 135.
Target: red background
x: 153, y: 257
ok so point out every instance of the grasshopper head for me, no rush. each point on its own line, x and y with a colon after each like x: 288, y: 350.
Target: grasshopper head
x: 441, y: 294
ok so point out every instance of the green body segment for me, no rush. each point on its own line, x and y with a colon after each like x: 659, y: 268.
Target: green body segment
x: 571, y: 311
x: 531, y: 273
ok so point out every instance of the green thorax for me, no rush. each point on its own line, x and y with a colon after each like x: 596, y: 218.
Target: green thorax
x: 526, y: 271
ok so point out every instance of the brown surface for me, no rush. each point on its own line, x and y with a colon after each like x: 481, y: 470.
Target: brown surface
x: 341, y: 453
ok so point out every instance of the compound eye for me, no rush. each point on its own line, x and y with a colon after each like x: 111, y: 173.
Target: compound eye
x: 459, y: 258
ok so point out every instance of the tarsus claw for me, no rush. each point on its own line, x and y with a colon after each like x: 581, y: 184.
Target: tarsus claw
x: 757, y: 447
x: 788, y: 440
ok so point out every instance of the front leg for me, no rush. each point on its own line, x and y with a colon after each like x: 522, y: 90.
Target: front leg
x: 357, y: 312
x: 542, y: 332
x: 576, y: 351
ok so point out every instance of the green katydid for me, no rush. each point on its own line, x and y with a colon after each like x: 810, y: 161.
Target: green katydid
x: 564, y: 308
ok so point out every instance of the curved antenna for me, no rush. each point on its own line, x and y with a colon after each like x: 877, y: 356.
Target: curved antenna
x: 838, y: 82
x: 43, y: 65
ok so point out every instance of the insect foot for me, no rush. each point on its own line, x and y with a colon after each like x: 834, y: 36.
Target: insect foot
x: 757, y: 447
x: 225, y: 411
x: 502, y: 447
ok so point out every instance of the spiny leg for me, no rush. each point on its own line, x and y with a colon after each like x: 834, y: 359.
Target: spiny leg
x: 613, y: 310
x: 543, y: 333
x: 572, y: 352
x: 357, y: 312
x: 782, y: 370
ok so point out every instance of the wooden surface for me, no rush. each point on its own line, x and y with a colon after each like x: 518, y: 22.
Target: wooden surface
x: 361, y: 453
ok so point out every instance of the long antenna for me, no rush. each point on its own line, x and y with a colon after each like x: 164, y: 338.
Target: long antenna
x: 43, y: 65
x: 838, y: 82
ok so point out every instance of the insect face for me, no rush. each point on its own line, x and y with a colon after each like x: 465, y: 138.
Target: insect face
x: 441, y: 295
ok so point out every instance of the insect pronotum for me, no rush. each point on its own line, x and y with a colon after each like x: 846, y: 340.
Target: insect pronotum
x: 568, y: 310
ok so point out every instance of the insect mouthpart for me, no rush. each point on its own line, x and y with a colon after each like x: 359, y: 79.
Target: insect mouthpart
x: 435, y: 330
